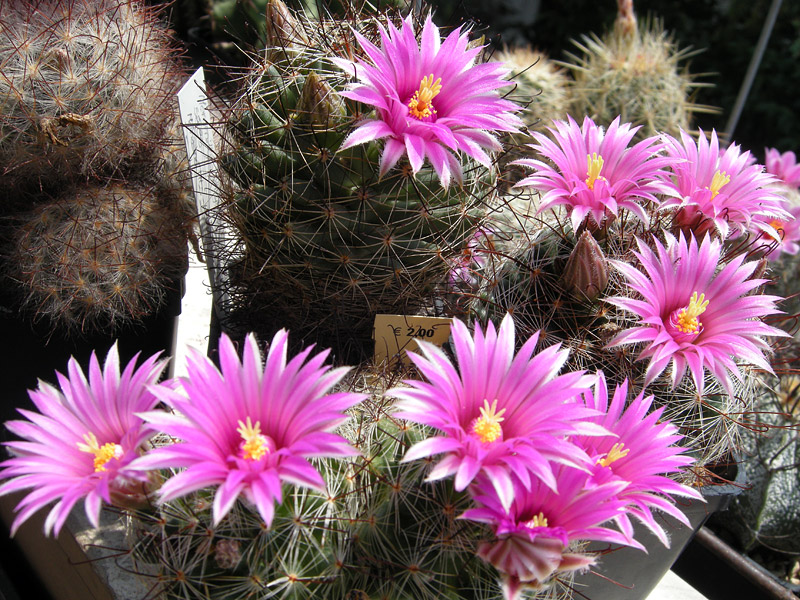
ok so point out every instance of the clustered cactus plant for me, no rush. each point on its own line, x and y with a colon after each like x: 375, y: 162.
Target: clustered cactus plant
x: 328, y: 238
x: 378, y: 530
x: 641, y: 264
x: 91, y: 161
x: 98, y: 256
x: 565, y: 276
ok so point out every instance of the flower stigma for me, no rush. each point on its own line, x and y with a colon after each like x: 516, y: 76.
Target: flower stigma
x: 720, y: 178
x: 537, y: 521
x: 617, y: 451
x: 102, y: 454
x: 420, y: 105
x: 687, y: 317
x: 594, y: 164
x: 487, y: 426
x: 254, y: 445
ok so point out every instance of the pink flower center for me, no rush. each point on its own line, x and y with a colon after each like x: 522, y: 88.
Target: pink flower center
x: 102, y: 454
x: 720, y: 179
x: 254, y: 445
x: 594, y: 164
x: 487, y: 427
x: 617, y: 451
x: 685, y: 319
x: 421, y: 104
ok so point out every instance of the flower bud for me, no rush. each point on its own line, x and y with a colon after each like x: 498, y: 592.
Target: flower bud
x: 319, y: 103
x: 283, y: 30
x: 586, y: 272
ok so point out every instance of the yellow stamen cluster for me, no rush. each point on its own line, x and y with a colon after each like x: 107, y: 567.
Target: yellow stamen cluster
x: 254, y: 445
x: 720, y: 178
x: 617, y: 451
x: 538, y: 521
x: 487, y: 426
x: 594, y: 164
x: 687, y: 317
x: 102, y: 454
x: 420, y: 105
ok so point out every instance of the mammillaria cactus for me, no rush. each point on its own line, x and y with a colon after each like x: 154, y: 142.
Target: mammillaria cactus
x: 634, y: 71
x: 334, y: 227
x: 87, y: 89
x: 279, y: 479
x: 606, y: 266
x: 98, y: 256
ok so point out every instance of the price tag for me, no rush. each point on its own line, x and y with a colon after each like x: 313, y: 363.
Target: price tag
x: 396, y: 334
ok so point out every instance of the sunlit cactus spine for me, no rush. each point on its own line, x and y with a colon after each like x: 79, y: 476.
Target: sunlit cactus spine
x: 634, y: 71
x: 552, y: 281
x: 378, y: 531
x: 87, y: 89
x: 98, y: 256
x: 327, y: 242
x: 542, y: 86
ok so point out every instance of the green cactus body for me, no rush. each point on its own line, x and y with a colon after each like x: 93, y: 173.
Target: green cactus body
x: 87, y: 88
x: 635, y: 74
x: 327, y: 242
x: 378, y: 531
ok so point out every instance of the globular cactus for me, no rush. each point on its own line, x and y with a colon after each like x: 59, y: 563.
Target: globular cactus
x: 98, y: 256
x: 634, y: 71
x: 542, y: 86
x: 557, y: 283
x: 87, y: 90
x: 327, y: 242
x: 379, y: 530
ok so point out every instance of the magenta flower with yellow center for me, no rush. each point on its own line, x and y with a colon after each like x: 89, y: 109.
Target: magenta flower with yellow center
x: 641, y: 452
x: 431, y: 100
x: 783, y: 166
x: 720, y: 189
x: 532, y: 536
x: 788, y: 238
x: 82, y: 441
x: 497, y: 413
x: 249, y: 428
x: 594, y: 172
x: 694, y: 312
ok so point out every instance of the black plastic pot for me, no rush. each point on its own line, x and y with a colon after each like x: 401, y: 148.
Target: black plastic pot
x: 716, y: 570
x: 625, y: 573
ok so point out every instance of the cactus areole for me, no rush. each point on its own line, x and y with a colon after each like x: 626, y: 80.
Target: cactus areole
x: 335, y: 225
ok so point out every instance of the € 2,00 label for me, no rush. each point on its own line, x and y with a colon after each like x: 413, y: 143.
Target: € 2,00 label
x: 396, y: 334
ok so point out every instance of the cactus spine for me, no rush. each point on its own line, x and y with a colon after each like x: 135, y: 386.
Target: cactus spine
x: 634, y: 71
x: 87, y: 88
x: 326, y: 242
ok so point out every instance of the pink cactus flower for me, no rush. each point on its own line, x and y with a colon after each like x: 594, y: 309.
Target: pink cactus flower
x: 783, y: 166
x: 82, y: 441
x: 640, y: 452
x: 249, y: 428
x: 720, y: 190
x: 594, y: 172
x: 532, y: 537
x: 695, y: 313
x: 431, y: 100
x: 500, y: 414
